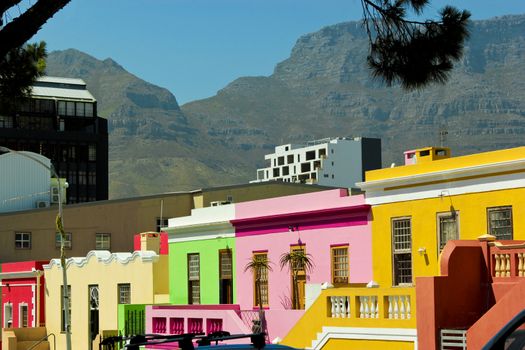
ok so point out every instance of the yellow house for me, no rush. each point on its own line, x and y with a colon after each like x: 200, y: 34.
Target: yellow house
x: 416, y: 209
x: 98, y: 283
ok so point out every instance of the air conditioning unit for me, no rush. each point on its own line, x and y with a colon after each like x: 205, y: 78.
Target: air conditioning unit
x: 42, y: 204
x: 55, y: 198
x: 217, y: 203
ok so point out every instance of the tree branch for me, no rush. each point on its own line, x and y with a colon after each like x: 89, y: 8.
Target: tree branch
x: 21, y: 29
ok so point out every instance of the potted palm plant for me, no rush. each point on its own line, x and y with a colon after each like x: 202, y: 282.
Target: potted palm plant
x: 298, y: 262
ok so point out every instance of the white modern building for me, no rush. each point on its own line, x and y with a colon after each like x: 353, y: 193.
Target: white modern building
x: 26, y: 182
x: 338, y: 162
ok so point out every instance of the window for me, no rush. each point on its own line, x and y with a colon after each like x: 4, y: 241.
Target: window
x: 276, y: 172
x: 61, y: 107
x: 92, y: 153
x: 286, y: 170
x: 22, y: 323
x: 424, y: 153
x: 63, y: 308
x: 124, y: 293
x: 194, y: 293
x: 340, y: 266
x: 8, y: 315
x: 260, y: 277
x: 67, y: 242
x: 103, y: 241
x: 299, y: 270
x: 499, y: 221
x: 225, y: 277
x: 280, y: 160
x: 402, y: 251
x: 22, y: 240
x: 161, y: 223
x: 305, y: 167
x: 289, y: 158
x: 447, y: 228
x: 89, y: 109
x: 310, y: 155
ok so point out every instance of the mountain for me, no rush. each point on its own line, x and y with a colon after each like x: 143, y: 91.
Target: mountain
x: 323, y: 89
x: 153, y: 147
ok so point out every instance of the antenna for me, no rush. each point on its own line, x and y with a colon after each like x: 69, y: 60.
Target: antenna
x: 443, y: 132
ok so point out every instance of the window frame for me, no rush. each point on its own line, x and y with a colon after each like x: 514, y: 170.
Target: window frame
x: 102, y: 234
x: 497, y: 209
x: 68, y: 243
x: 396, y: 275
x: 444, y: 215
x: 254, y: 284
x: 21, y: 323
x: 192, y: 281
x: 333, y: 263
x: 160, y: 223
x: 121, y: 290
x: 28, y: 240
x: 62, y: 309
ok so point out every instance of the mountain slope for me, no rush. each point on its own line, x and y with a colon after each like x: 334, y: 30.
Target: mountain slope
x: 323, y: 89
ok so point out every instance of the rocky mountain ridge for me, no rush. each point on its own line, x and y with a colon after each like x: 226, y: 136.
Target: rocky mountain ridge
x: 323, y: 89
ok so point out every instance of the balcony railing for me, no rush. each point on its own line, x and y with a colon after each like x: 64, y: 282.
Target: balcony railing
x: 508, y: 261
x: 372, y: 304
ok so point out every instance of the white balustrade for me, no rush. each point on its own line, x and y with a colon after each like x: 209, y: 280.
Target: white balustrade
x: 339, y: 306
x: 399, y: 307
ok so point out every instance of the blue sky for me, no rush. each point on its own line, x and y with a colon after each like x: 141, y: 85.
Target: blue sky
x: 196, y: 47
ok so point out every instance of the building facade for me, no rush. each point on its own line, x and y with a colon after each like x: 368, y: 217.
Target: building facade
x: 98, y: 283
x: 23, y: 294
x: 111, y: 225
x: 25, y: 182
x: 336, y: 162
x: 60, y: 122
x: 417, y: 209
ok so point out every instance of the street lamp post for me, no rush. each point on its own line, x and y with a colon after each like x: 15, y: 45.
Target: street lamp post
x: 60, y: 227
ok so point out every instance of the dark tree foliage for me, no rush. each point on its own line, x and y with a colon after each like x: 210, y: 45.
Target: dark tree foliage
x: 18, y: 71
x: 20, y: 65
x: 413, y: 53
x: 18, y: 31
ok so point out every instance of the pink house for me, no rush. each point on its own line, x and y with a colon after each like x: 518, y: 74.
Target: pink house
x: 23, y: 294
x: 331, y: 226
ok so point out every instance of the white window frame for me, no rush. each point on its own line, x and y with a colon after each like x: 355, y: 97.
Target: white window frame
x: 6, y: 320
x: 68, y: 243
x: 401, y: 251
x: 99, y: 244
x: 20, y: 314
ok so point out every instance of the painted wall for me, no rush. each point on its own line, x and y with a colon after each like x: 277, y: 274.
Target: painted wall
x: 27, y: 290
x: 472, y: 211
x: 105, y: 270
x: 320, y: 221
x: 209, y: 269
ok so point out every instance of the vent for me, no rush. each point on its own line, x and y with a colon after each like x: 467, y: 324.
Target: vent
x: 42, y: 204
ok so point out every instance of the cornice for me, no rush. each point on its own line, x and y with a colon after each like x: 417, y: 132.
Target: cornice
x: 444, y: 175
x: 106, y: 257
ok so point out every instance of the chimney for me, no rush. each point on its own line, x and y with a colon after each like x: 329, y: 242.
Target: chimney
x: 150, y: 241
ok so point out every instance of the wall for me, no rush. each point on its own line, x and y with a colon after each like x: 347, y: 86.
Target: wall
x: 24, y: 181
x: 107, y: 271
x: 320, y: 220
x: 123, y: 218
x: 26, y: 290
x: 472, y: 211
x: 209, y: 273
x: 464, y: 272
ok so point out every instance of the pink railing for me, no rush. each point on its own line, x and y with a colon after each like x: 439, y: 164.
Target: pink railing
x: 176, y: 325
x: 159, y: 325
x: 213, y: 325
x: 195, y: 325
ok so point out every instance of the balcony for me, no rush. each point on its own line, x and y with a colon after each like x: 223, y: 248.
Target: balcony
x: 355, y: 308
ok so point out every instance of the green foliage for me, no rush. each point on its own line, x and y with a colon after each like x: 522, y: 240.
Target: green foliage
x: 411, y: 52
x: 18, y: 71
x: 296, y: 261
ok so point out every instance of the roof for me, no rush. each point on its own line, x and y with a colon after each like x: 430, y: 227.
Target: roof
x: 66, y: 88
x: 492, y: 159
